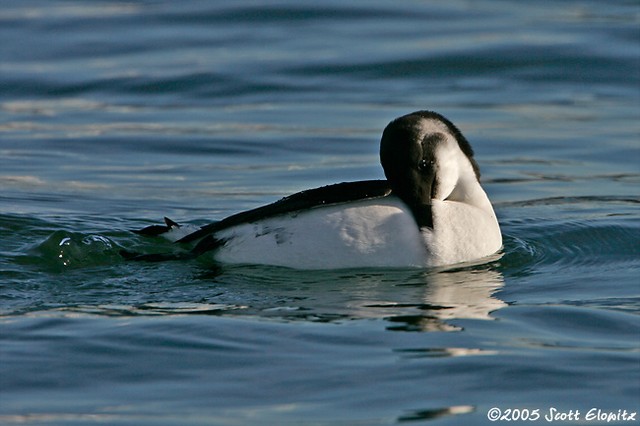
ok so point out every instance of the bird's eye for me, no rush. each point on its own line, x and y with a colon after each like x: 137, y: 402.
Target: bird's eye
x: 425, y: 165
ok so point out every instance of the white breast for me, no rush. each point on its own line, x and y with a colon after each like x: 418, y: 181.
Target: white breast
x: 461, y: 233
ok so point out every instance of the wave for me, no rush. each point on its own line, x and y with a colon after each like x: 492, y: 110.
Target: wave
x: 571, y: 231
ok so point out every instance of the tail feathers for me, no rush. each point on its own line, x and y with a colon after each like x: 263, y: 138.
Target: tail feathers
x: 155, y: 230
x: 156, y: 257
x: 208, y: 243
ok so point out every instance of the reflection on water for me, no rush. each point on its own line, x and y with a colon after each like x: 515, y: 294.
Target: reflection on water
x: 449, y: 295
x: 410, y: 300
x: 433, y: 414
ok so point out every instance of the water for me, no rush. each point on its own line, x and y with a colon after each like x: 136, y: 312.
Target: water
x: 114, y: 114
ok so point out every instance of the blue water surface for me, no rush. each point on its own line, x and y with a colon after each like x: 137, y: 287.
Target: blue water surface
x: 114, y: 114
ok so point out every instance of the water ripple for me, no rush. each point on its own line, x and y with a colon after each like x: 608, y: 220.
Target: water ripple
x: 581, y: 232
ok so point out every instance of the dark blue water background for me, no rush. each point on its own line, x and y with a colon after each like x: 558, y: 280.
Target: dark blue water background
x: 116, y: 113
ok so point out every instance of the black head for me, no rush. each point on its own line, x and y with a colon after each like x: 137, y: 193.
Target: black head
x: 408, y: 154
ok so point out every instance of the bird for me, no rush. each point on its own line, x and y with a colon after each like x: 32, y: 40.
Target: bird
x: 430, y: 211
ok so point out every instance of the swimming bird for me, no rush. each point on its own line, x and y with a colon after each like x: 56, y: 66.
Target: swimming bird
x: 430, y: 211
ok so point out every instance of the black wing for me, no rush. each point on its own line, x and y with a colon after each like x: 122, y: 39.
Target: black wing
x: 331, y: 194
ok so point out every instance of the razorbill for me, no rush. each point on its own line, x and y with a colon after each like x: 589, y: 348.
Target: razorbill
x: 430, y: 211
